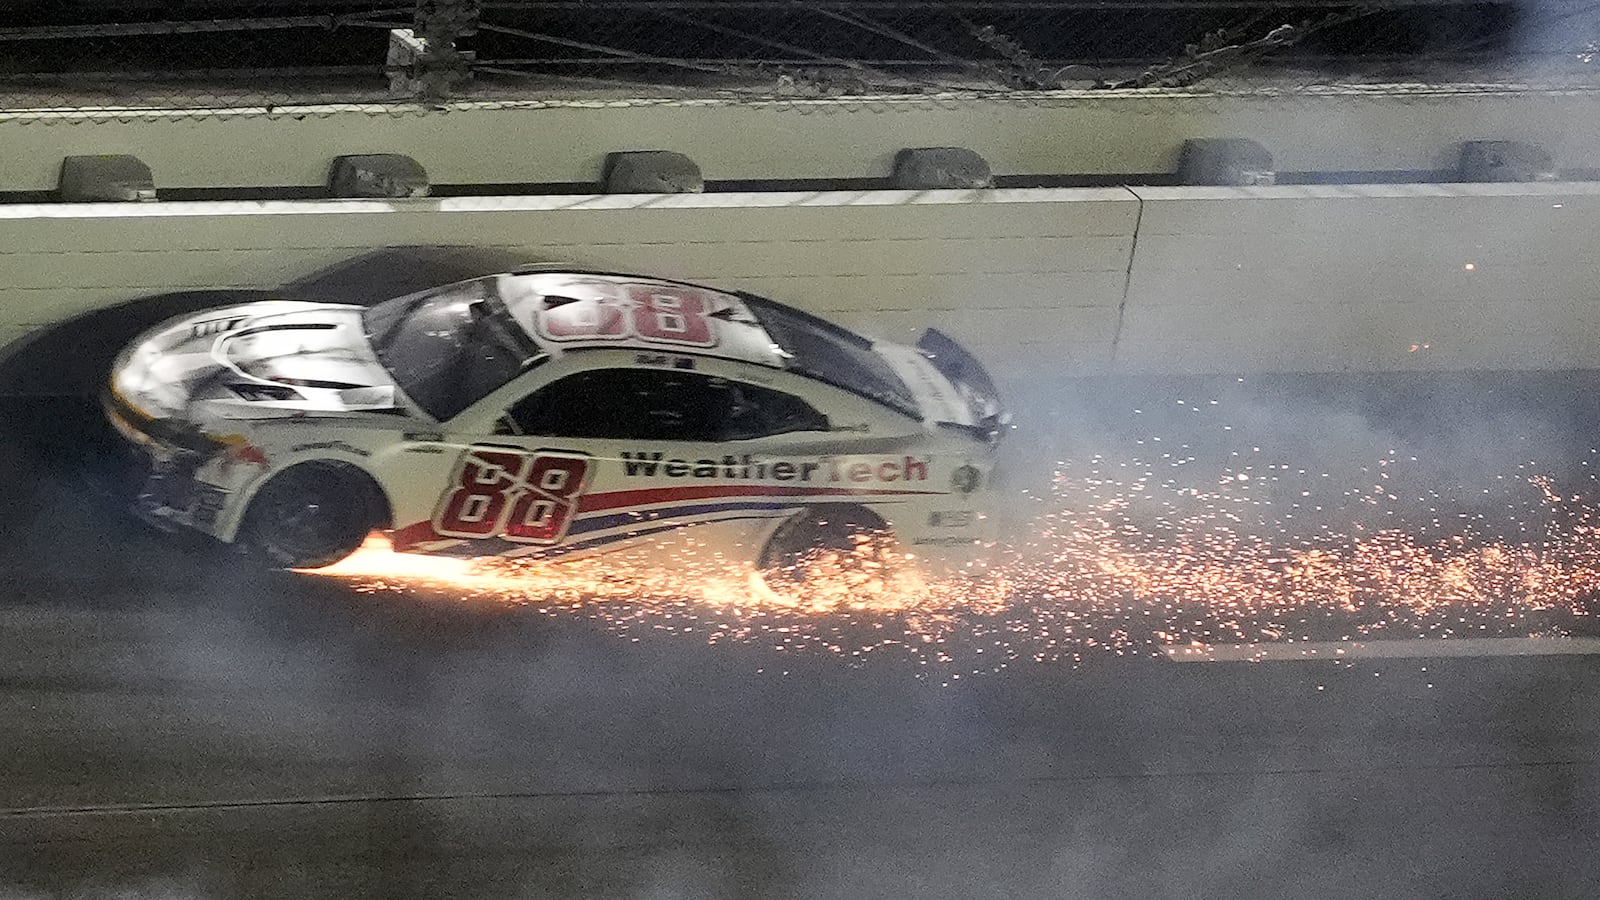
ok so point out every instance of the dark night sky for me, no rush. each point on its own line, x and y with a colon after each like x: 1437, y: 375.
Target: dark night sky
x: 1129, y: 33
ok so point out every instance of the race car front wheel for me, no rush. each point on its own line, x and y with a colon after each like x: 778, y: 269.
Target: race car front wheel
x: 829, y: 551
x: 312, y: 515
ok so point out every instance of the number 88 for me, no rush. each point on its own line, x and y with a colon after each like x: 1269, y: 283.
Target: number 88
x: 660, y: 315
x: 512, y: 494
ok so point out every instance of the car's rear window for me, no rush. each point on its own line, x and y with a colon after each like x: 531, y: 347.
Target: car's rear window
x: 828, y: 353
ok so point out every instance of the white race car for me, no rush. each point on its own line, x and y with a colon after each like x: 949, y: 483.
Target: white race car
x: 555, y: 415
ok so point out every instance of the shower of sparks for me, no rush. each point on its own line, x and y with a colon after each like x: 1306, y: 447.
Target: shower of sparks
x: 1124, y: 557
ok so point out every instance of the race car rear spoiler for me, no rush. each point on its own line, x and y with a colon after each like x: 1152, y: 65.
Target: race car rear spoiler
x: 970, y: 378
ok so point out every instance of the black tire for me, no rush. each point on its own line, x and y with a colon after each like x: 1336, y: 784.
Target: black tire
x: 855, y: 533
x: 312, y: 515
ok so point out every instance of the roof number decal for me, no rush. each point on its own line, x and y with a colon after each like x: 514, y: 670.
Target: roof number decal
x: 668, y: 315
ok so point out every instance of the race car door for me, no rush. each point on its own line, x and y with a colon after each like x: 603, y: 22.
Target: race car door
x: 605, y: 458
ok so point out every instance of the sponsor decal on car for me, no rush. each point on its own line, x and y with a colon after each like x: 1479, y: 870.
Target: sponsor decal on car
x: 340, y: 446
x: 209, y: 501
x: 943, y: 541
x: 662, y: 360
x: 237, y: 448
x: 644, y: 464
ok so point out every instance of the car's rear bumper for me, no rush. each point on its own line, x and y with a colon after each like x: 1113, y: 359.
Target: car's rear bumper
x: 972, y: 380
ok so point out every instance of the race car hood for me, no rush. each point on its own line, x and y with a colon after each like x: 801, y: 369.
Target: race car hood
x: 276, y: 357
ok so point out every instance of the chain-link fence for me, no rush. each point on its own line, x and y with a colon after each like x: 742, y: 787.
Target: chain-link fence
x: 126, y: 56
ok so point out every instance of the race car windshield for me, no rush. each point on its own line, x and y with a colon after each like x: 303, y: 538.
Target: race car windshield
x: 828, y: 353
x: 448, y: 348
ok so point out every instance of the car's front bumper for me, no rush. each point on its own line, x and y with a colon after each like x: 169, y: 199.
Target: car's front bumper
x: 176, y: 458
x: 173, y: 496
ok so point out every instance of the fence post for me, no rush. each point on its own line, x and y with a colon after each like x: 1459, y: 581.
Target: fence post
x: 424, y: 60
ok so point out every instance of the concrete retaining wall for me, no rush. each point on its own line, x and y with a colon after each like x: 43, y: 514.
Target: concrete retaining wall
x: 1353, y: 278
x: 1183, y: 280
x: 1042, y: 270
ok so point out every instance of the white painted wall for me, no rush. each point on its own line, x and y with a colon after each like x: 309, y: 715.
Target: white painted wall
x: 1019, y: 273
x: 1350, y: 278
x: 1221, y: 279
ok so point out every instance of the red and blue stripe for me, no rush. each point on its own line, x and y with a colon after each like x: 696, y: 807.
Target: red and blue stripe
x: 610, y: 517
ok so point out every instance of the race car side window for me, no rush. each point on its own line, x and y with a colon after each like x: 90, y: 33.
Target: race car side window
x: 761, y: 412
x: 653, y: 404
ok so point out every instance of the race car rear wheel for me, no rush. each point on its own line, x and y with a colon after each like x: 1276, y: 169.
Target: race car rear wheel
x: 846, y: 545
x: 312, y: 515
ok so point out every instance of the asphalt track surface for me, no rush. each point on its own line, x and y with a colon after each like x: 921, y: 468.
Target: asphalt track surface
x: 173, y: 724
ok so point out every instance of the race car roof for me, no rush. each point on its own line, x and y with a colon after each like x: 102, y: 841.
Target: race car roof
x: 564, y: 311
x: 579, y: 310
